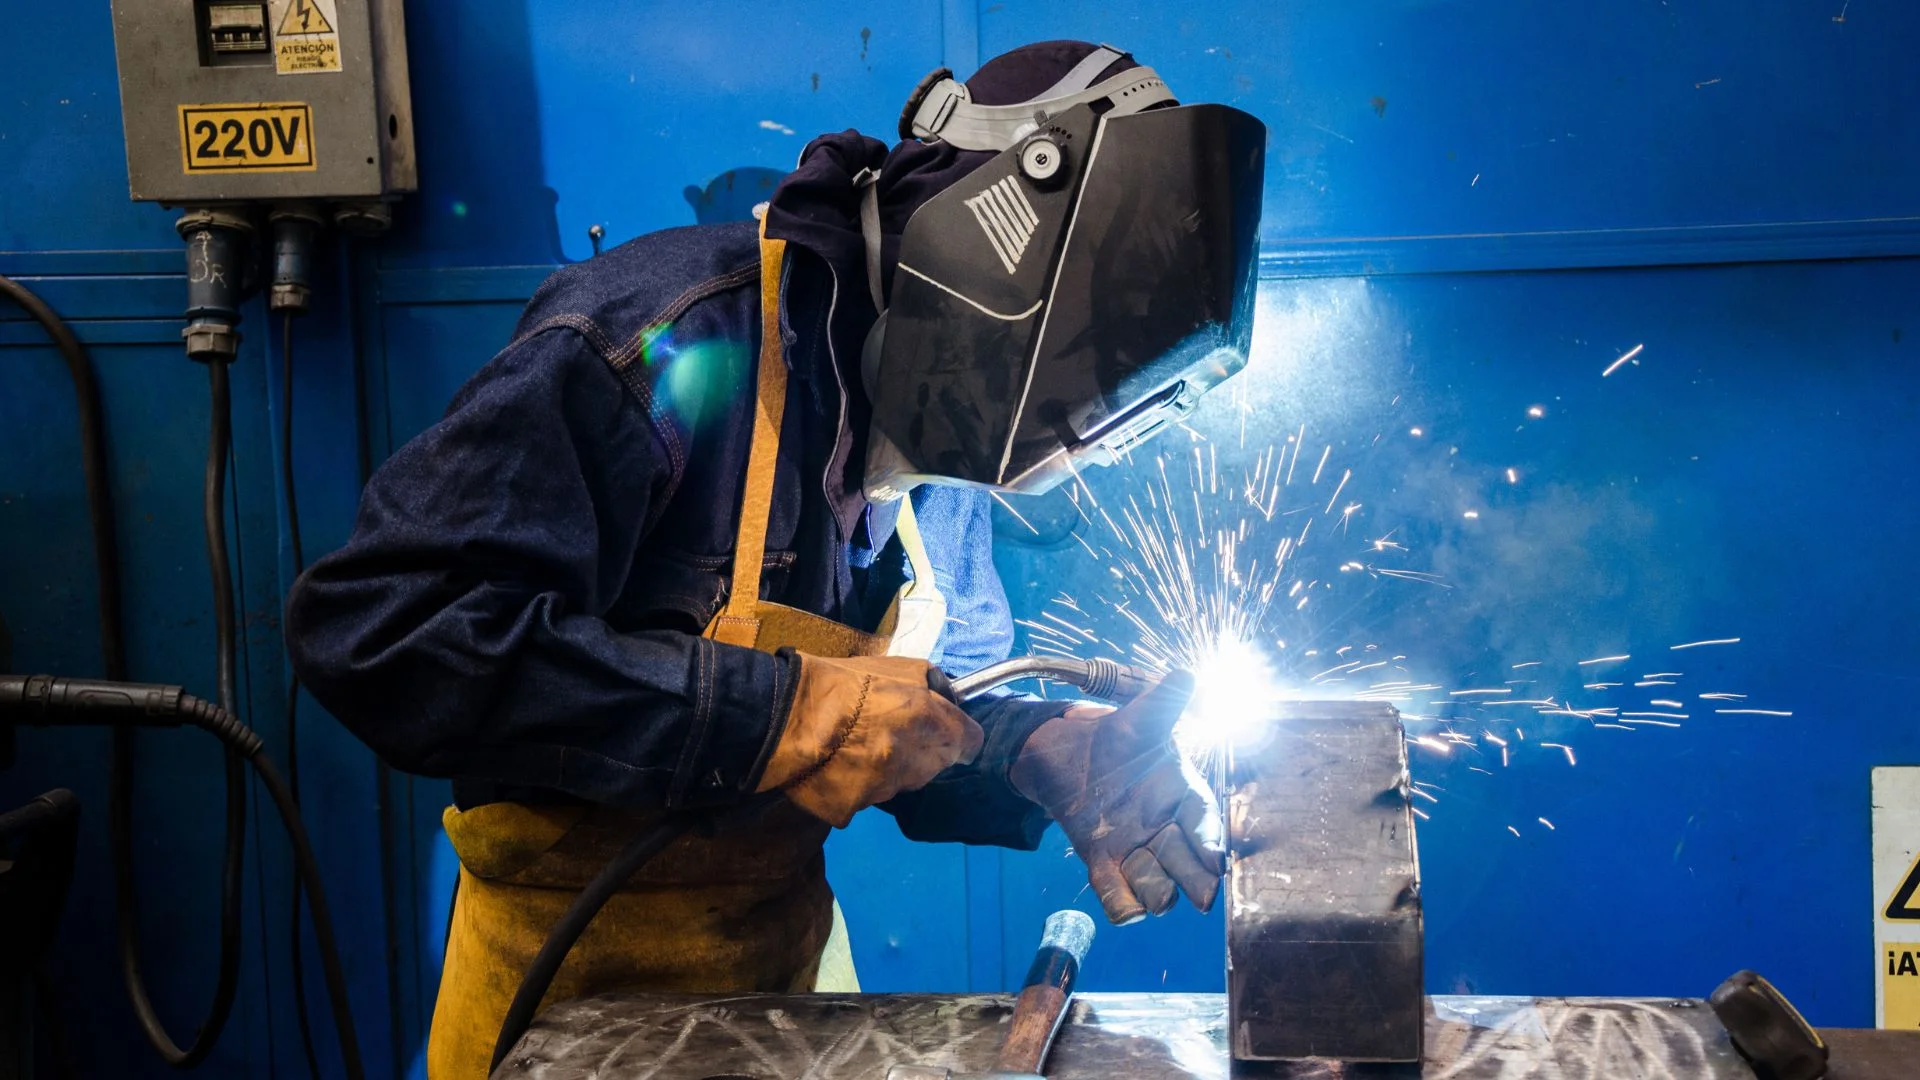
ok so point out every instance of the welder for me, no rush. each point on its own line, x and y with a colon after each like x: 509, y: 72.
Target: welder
x: 716, y: 522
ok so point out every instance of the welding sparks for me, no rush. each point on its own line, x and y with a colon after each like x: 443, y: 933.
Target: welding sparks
x: 1752, y: 712
x: 1563, y: 748
x: 1627, y: 356
x: 1715, y: 641
x: 1208, y: 561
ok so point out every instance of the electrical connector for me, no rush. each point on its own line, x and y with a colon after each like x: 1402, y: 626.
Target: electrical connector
x: 48, y: 701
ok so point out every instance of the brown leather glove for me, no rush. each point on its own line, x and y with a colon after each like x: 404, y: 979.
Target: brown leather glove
x: 863, y: 730
x: 1143, y: 822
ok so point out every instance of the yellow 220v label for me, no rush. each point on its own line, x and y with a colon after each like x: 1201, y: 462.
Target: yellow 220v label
x: 268, y: 137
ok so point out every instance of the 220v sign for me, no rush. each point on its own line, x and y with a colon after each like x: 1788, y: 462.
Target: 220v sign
x: 268, y: 137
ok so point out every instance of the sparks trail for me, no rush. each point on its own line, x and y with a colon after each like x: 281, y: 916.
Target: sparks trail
x: 1241, y: 571
x: 1213, y: 559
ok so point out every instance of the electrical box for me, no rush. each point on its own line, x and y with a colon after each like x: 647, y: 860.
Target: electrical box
x: 264, y: 101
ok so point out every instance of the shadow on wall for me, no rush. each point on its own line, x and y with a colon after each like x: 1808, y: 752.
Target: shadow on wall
x: 733, y: 194
x: 484, y: 198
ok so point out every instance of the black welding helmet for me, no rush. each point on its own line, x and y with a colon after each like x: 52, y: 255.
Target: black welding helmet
x: 1074, y: 294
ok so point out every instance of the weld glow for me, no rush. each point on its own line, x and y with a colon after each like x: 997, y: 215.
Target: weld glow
x: 1235, y: 688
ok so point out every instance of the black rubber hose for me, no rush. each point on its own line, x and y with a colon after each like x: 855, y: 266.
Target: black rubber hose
x: 560, y: 940
x: 120, y: 813
x: 45, y: 700
x: 243, y: 743
x: 93, y: 462
x: 308, y: 869
x: 292, y: 502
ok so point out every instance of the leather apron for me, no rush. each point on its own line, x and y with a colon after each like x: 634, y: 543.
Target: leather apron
x: 746, y: 909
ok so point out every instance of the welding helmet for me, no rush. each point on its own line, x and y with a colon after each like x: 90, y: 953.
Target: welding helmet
x: 1071, y: 296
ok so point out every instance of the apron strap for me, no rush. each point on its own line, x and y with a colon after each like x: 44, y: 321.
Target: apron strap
x: 868, y: 183
x: 907, y: 527
x: 739, y: 622
x: 918, y: 616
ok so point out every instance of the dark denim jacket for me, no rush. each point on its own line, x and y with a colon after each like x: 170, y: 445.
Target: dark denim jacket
x: 520, y: 604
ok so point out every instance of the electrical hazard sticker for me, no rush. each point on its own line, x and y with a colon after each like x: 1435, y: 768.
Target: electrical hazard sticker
x: 1896, y: 896
x: 306, y: 36
x: 1900, y: 986
x: 268, y: 137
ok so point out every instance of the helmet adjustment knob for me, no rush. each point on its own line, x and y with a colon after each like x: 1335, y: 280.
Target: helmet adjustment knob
x: 1041, y: 158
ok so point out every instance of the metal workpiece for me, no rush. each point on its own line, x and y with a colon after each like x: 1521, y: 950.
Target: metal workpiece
x: 1117, y: 1037
x: 1323, y: 889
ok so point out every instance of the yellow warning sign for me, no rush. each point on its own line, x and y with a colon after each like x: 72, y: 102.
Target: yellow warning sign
x: 267, y: 137
x: 1896, y: 895
x: 306, y: 36
x: 1900, y: 986
x: 1904, y: 905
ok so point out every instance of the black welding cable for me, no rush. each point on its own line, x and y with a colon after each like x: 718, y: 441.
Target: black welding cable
x: 93, y: 460
x: 227, y: 974
x: 93, y: 445
x: 560, y: 939
x: 292, y: 502
x: 587, y: 903
x: 43, y: 700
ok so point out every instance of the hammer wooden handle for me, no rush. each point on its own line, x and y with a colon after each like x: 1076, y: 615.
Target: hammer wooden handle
x: 1042, y: 1003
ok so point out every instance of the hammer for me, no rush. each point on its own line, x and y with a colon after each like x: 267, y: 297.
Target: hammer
x: 1037, y: 1012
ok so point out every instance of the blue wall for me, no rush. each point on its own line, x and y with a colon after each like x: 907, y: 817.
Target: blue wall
x: 1472, y: 209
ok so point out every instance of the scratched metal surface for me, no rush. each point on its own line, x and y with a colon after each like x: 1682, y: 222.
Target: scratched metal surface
x: 1107, y: 1037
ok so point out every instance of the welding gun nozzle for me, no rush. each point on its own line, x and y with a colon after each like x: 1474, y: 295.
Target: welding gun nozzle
x: 1099, y: 677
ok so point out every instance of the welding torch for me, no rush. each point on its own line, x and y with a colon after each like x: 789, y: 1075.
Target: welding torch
x: 1098, y: 677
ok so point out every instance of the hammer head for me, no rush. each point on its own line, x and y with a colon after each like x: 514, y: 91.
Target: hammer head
x: 935, y: 1072
x: 939, y: 1073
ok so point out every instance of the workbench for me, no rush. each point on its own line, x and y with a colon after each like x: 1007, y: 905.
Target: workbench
x: 1137, y: 1037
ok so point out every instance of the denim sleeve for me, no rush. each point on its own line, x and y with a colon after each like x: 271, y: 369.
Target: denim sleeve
x: 461, y: 632
x: 974, y: 804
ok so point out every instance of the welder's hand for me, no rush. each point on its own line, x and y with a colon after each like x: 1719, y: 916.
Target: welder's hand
x: 861, y: 731
x: 1140, y: 818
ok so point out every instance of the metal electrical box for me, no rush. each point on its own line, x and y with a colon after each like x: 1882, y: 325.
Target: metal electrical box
x: 274, y: 100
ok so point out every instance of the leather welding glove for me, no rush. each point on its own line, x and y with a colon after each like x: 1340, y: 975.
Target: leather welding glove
x: 1141, y: 819
x: 862, y: 730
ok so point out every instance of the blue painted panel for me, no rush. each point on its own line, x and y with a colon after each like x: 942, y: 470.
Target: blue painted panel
x: 1447, y: 117
x: 531, y: 129
x: 1742, y: 476
x: 60, y: 136
x: 906, y: 906
x: 155, y: 403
